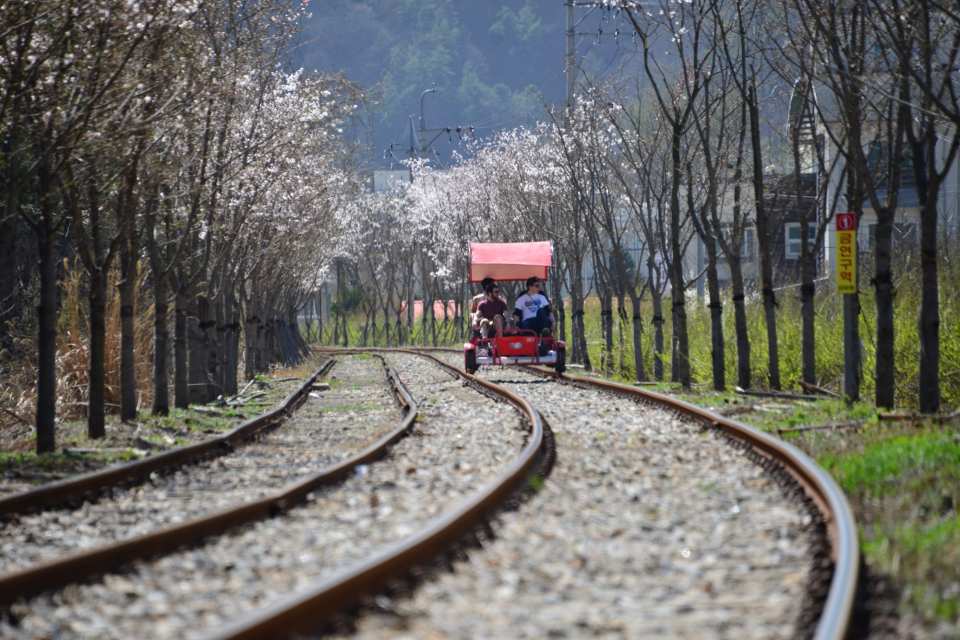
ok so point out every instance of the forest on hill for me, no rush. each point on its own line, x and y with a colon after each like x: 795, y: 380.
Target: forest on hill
x: 495, y: 65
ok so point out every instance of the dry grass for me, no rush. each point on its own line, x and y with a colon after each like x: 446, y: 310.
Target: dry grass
x: 18, y: 386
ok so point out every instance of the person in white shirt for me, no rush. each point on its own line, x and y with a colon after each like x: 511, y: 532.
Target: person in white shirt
x: 533, y: 308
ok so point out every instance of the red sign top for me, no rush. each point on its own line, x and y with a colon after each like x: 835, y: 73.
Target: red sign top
x: 846, y: 221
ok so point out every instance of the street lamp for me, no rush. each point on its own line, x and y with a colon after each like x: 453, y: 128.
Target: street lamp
x: 423, y: 124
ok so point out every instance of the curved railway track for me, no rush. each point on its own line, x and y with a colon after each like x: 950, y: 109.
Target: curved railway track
x: 469, y: 518
x: 87, y: 563
x: 445, y: 535
x: 833, y: 579
x: 466, y: 523
x: 73, y: 491
x: 776, y: 456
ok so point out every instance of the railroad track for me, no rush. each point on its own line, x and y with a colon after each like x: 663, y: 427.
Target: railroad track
x: 832, y: 576
x: 189, y: 505
x: 180, y: 567
x: 828, y: 588
x: 801, y: 585
x: 821, y: 514
x: 71, y: 492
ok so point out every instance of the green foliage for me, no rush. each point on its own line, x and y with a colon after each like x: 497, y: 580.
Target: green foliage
x: 904, y: 484
x: 535, y: 482
x: 488, y: 60
x: 65, y: 462
x: 829, y: 339
x: 890, y: 464
x: 523, y: 25
x: 352, y: 297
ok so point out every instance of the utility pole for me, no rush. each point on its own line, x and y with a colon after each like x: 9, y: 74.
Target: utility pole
x: 419, y: 143
x: 570, y: 61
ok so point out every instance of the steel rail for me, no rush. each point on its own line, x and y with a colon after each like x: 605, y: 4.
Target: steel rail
x: 837, y: 612
x: 306, y: 610
x: 62, y: 492
x: 87, y: 564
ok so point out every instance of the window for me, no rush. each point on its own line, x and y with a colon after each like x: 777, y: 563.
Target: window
x: 792, y: 242
x: 904, y: 236
x: 748, y: 246
x: 878, y: 162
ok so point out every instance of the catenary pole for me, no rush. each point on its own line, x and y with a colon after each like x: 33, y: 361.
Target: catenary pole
x: 570, y: 61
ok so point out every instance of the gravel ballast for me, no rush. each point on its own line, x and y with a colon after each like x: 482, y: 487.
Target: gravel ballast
x: 147, y: 435
x: 462, y: 439
x: 648, y: 526
x: 322, y: 431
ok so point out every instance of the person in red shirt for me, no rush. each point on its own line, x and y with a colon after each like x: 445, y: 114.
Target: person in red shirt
x: 490, y: 311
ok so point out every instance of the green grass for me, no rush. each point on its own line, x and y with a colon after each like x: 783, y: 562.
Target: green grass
x: 829, y: 339
x: 897, y: 463
x: 904, y: 488
x: 61, y: 462
x: 346, y: 407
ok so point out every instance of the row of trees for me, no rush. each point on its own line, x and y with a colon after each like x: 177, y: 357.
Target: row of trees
x: 886, y: 73
x: 166, y: 136
x: 686, y: 152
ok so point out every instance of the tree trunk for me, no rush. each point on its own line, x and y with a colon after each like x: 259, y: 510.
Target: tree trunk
x: 808, y: 290
x: 264, y: 344
x: 716, y: 321
x: 883, y: 284
x: 411, y: 303
x: 559, y: 311
x: 681, y: 360
x: 581, y: 354
x: 851, y: 346
x: 181, y: 388
x: 9, y: 309
x: 929, y: 307
x: 621, y: 335
x: 199, y: 355
x: 293, y: 327
x: 740, y: 323
x: 161, y: 348
x: 657, y: 301
x: 97, y: 299
x: 8, y: 273
x: 128, y: 367
x: 638, y: 365
x: 231, y: 344
x: 674, y: 359
x: 763, y: 237
x: 606, y: 319
x: 47, y: 343
x: 250, y: 348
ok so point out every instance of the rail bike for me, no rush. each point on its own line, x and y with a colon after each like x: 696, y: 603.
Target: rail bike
x: 504, y: 262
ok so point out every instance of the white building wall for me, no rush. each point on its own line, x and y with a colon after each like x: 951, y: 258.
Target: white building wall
x: 948, y: 205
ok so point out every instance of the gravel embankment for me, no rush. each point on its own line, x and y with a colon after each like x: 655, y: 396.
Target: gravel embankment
x: 462, y: 438
x: 647, y: 527
x: 323, y: 430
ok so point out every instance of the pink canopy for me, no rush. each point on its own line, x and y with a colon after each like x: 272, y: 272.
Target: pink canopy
x: 509, y: 260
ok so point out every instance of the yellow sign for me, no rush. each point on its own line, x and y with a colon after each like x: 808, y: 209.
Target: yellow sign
x: 847, y: 261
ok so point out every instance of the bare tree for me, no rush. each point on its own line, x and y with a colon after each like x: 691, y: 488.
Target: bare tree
x: 686, y: 26
x: 925, y: 38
